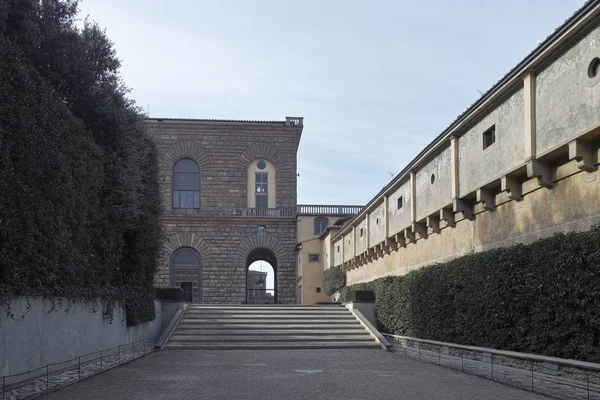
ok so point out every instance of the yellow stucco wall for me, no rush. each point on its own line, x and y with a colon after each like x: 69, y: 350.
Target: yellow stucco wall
x: 272, y: 181
x: 310, y: 274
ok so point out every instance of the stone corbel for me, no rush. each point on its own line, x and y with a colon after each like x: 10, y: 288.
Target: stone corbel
x: 541, y: 171
x: 379, y: 251
x: 391, y: 245
x: 511, y: 185
x: 433, y: 222
x: 400, y: 240
x: 448, y: 216
x: 488, y: 198
x: 420, y: 228
x: 409, y: 236
x: 582, y: 151
x: 461, y: 206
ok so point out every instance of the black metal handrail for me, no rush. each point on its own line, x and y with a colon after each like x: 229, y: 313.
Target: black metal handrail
x: 27, y: 385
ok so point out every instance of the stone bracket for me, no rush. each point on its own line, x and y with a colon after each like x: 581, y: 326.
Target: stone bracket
x: 391, y: 245
x: 582, y: 151
x: 461, y: 206
x: 448, y: 216
x: 488, y: 198
x: 511, y: 185
x: 409, y: 236
x: 420, y: 228
x: 433, y: 222
x: 541, y: 171
x: 400, y: 240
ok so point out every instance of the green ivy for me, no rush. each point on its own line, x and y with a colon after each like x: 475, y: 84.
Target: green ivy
x: 79, y: 197
x: 543, y: 298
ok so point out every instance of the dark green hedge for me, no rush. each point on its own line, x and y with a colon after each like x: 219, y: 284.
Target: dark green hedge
x: 169, y: 294
x: 333, y: 280
x: 542, y: 298
x: 79, y: 197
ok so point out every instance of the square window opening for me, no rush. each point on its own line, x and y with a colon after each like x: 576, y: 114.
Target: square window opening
x: 400, y: 202
x: 318, y: 290
x: 261, y: 228
x: 313, y: 258
x: 489, y: 137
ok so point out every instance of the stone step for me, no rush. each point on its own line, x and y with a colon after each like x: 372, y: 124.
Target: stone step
x: 268, y: 339
x: 269, y: 317
x: 186, y: 320
x: 271, y: 325
x: 269, y: 332
x: 266, y: 307
x: 268, y: 314
x: 272, y: 346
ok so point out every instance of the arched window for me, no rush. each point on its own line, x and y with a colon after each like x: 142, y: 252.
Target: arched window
x: 320, y: 225
x: 186, y: 258
x: 261, y: 184
x: 186, y: 184
x: 186, y: 273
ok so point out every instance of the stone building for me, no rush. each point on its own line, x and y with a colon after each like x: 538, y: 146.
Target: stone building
x: 314, y: 221
x: 518, y: 165
x: 229, y: 192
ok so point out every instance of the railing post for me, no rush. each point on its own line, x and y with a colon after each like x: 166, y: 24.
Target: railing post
x: 133, y: 351
x: 532, y: 377
x: 587, y: 377
x: 47, y: 375
x: 492, y: 361
x: 462, y: 361
x: 3, y: 386
x: 440, y: 357
x: 119, y: 355
x: 79, y: 368
x: 100, y: 360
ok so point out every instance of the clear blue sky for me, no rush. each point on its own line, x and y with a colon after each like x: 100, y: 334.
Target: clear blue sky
x: 375, y: 81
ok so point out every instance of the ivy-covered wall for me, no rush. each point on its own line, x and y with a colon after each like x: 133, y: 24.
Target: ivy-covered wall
x: 79, y: 201
x: 542, y: 298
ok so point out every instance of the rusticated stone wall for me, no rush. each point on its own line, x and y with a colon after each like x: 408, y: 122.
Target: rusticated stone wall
x: 223, y: 231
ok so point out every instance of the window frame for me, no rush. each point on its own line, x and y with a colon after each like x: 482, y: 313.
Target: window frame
x: 262, y: 193
x: 185, y: 182
x: 317, y: 221
x: 486, y: 135
x: 312, y: 255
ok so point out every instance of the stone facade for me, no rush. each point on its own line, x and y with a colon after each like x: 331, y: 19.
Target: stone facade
x: 224, y: 230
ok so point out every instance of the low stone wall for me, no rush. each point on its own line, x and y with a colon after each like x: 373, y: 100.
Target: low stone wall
x: 42, y: 335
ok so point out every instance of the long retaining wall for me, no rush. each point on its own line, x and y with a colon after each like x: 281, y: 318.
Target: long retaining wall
x: 518, y: 165
x: 39, y: 336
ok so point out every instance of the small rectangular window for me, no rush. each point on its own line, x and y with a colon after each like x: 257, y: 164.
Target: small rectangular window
x: 261, y: 228
x: 489, y: 137
x: 313, y: 258
x: 400, y: 202
x: 361, y: 232
x: 338, y: 249
x: 318, y: 290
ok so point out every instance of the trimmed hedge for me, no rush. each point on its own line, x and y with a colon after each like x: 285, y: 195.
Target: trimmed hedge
x: 79, y: 194
x: 333, y: 280
x: 169, y: 294
x: 542, y: 298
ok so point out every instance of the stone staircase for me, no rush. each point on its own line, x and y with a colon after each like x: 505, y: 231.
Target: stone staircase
x: 204, y: 327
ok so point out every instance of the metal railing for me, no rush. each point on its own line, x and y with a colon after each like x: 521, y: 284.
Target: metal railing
x: 269, y: 212
x: 40, y: 381
x: 311, y: 209
x: 550, y: 376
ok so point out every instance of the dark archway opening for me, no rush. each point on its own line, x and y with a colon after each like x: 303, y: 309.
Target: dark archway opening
x: 261, y: 277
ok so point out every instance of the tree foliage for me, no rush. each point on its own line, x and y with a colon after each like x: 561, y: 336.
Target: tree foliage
x: 79, y: 197
x: 333, y: 280
x: 542, y: 298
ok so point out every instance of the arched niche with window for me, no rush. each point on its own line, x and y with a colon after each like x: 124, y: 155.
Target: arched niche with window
x: 262, y: 182
x: 186, y: 273
x: 320, y: 225
x: 186, y: 184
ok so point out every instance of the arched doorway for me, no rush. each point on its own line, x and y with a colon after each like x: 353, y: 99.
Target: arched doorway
x: 261, y: 277
x: 186, y: 273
